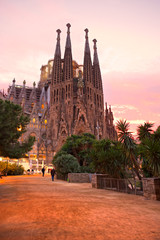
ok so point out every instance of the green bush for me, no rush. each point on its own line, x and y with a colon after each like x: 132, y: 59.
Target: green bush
x: 66, y: 163
x: 11, y: 169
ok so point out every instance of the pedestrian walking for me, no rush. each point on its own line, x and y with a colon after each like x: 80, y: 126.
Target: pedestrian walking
x: 53, y: 173
x: 43, y: 171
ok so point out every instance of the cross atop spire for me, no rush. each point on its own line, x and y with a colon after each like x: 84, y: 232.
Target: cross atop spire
x: 95, y: 58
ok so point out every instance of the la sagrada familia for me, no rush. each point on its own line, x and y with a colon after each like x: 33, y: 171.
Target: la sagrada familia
x: 68, y: 100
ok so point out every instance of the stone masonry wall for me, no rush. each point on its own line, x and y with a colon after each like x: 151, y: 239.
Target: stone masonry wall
x: 151, y: 188
x: 79, y: 177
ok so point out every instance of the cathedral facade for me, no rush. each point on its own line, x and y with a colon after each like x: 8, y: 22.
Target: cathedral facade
x: 68, y: 100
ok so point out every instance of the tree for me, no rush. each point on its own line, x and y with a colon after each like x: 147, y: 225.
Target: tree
x: 149, y: 149
x: 144, y: 131
x: 65, y: 163
x: 11, y: 169
x: 129, y: 146
x: 79, y: 146
x: 107, y: 158
x: 13, y: 124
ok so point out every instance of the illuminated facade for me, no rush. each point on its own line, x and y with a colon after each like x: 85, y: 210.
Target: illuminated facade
x: 68, y: 100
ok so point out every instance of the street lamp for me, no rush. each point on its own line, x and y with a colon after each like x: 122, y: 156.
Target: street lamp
x: 19, y: 129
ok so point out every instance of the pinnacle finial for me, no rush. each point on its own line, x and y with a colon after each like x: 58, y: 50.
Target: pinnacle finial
x: 14, y: 80
x: 24, y: 82
x: 58, y: 31
x: 58, y: 36
x: 86, y: 30
x: 95, y: 41
x: 68, y: 25
x: 34, y: 84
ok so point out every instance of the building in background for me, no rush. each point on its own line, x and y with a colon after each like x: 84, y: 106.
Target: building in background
x: 68, y: 100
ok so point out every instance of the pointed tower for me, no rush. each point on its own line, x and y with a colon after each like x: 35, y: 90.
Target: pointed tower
x: 88, y: 83
x: 32, y: 97
x: 67, y: 67
x: 67, y: 84
x: 110, y: 131
x: 98, y: 90
x: 57, y: 70
x: 97, y: 79
x: 87, y: 64
x: 56, y: 73
x: 87, y: 74
x: 22, y: 96
x: 55, y: 94
x: 12, y: 92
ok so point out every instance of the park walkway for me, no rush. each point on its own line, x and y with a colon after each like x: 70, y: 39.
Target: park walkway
x: 33, y: 207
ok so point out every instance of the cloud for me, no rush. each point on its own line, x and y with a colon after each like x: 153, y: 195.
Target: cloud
x: 125, y: 107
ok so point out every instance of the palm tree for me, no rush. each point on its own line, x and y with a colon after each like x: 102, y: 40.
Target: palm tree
x: 144, y: 131
x: 149, y: 149
x: 151, y: 155
x: 129, y: 145
x: 157, y: 133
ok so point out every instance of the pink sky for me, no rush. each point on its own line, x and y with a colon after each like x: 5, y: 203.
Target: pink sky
x: 128, y: 35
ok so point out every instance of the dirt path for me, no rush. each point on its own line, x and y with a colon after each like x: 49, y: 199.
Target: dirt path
x: 33, y: 207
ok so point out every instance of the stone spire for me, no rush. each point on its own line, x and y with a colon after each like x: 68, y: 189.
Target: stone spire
x: 23, y: 91
x: 87, y: 65
x: 57, y: 69
x: 96, y: 68
x: 68, y: 68
x: 58, y: 48
x: 87, y: 49
x: 68, y: 40
x: 95, y: 56
x: 12, y: 91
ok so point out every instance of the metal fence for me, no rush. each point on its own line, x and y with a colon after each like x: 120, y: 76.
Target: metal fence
x: 122, y: 185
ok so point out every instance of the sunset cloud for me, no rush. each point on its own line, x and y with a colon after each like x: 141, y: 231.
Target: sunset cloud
x: 128, y: 38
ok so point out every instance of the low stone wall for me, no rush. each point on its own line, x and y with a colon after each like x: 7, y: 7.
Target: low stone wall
x: 61, y: 177
x: 96, y: 180
x: 79, y: 177
x: 151, y: 188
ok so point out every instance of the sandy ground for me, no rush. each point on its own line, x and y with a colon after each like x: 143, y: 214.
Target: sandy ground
x: 33, y: 207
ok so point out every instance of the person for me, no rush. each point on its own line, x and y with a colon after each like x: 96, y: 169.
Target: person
x: 52, y: 174
x: 32, y: 171
x: 43, y: 171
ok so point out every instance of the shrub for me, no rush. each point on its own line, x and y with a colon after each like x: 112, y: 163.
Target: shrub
x: 11, y: 169
x: 66, y: 163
